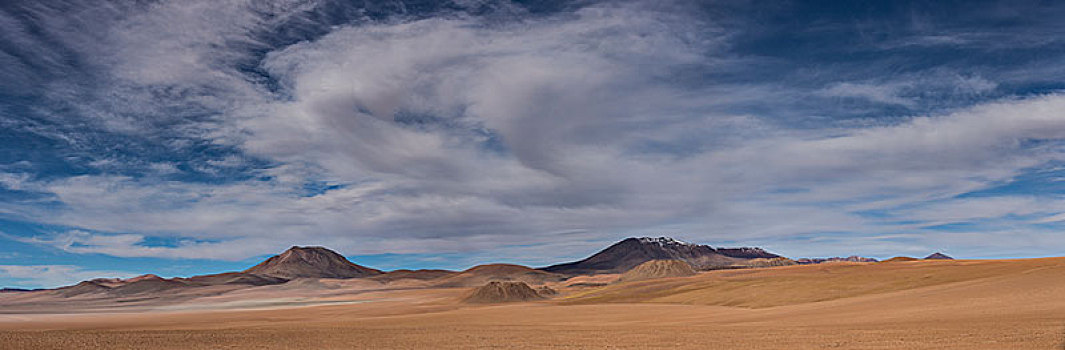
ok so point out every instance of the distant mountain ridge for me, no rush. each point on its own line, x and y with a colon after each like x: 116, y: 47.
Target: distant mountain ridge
x: 630, y: 252
x: 852, y: 258
x: 938, y: 256
x: 322, y: 263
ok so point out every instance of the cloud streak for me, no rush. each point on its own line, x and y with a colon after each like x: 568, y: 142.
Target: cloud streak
x: 452, y: 131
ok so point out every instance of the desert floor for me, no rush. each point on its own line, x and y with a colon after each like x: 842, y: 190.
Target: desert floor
x: 985, y: 304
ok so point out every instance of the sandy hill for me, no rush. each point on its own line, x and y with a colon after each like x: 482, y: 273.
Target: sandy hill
x: 901, y: 259
x: 311, y: 262
x: 658, y: 269
x: 86, y: 287
x: 502, y: 292
x: 799, y: 284
x: 149, y: 284
x: 628, y: 253
x: 971, y: 304
x: 481, y: 274
x: 421, y: 275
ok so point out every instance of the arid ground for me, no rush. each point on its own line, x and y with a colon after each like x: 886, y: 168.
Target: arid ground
x: 963, y: 304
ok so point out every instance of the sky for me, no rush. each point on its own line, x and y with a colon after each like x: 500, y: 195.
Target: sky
x: 200, y: 136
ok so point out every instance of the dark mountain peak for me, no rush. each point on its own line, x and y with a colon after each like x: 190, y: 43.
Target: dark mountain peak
x: 311, y: 262
x: 660, y: 241
x: 628, y: 253
x: 938, y: 256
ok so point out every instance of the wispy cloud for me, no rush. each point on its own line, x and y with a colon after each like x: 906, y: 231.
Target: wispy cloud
x: 250, y: 126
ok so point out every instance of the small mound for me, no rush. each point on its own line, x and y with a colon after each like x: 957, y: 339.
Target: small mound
x: 502, y: 292
x: 658, y: 269
x: 901, y: 258
x: 546, y: 291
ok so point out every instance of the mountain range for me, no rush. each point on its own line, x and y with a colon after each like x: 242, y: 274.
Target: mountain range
x: 307, y: 263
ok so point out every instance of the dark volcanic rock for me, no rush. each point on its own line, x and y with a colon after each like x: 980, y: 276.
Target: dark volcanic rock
x: 630, y: 252
x: 311, y: 262
x: 938, y: 256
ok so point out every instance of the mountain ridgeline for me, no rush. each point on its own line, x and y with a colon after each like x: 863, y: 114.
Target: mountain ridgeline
x: 631, y: 252
x: 665, y: 257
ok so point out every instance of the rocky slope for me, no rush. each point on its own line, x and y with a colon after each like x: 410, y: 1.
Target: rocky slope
x: 311, y: 262
x: 658, y: 269
x: 502, y: 292
x: 630, y: 252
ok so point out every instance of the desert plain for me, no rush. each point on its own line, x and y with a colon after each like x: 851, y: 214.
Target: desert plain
x: 950, y: 304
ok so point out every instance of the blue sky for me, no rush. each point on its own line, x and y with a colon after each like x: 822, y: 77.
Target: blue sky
x: 189, y: 137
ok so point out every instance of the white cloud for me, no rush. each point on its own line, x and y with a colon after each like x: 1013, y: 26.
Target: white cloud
x: 47, y: 276
x: 888, y: 94
x: 458, y: 133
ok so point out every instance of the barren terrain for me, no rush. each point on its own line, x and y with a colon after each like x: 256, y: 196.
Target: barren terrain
x: 964, y: 304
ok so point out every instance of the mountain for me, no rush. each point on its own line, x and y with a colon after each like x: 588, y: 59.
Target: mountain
x: 311, y: 262
x: 938, y: 256
x: 296, y: 262
x: 630, y: 252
